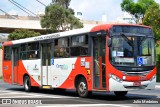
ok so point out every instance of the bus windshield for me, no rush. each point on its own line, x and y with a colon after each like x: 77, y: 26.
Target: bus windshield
x: 132, y: 50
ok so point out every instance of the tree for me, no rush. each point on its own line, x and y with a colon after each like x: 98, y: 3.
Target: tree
x: 58, y: 17
x: 152, y: 18
x: 22, y: 33
x: 137, y: 10
x: 64, y: 3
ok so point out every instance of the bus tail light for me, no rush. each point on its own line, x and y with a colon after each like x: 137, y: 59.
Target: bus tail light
x: 115, y: 78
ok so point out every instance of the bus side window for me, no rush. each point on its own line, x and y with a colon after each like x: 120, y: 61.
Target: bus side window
x: 33, y: 50
x: 23, y: 52
x: 7, y: 53
x: 61, y: 49
x: 79, y: 45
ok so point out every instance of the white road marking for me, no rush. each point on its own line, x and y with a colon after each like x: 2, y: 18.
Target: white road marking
x: 16, y: 96
x: 84, y: 105
x: 5, y: 91
x: 10, y: 93
x: 34, y: 96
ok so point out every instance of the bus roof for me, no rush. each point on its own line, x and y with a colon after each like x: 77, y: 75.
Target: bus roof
x: 49, y: 36
x: 67, y: 33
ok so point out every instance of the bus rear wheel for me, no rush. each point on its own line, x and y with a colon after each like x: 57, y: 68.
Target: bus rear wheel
x: 82, y: 88
x: 27, y: 83
x: 120, y: 93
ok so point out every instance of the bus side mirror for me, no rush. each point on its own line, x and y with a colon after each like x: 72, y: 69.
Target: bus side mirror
x: 109, y: 42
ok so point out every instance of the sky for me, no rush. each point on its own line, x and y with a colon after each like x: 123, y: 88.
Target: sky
x: 91, y: 9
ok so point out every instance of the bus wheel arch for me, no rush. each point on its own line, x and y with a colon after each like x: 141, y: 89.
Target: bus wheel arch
x: 81, y: 86
x: 27, y: 82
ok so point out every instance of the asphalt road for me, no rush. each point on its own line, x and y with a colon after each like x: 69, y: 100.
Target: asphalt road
x: 13, y: 95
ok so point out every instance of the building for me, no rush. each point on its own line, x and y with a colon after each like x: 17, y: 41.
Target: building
x: 3, y: 38
x: 126, y: 18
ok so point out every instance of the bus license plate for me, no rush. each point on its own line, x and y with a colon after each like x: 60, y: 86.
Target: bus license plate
x: 136, y: 83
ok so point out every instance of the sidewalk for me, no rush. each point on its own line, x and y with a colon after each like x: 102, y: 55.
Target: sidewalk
x: 158, y: 85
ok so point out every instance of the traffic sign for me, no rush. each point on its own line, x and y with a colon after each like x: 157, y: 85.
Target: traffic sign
x: 140, y: 61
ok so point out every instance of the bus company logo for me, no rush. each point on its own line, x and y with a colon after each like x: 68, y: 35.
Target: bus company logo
x: 62, y: 67
x: 35, y: 67
x: 6, y: 101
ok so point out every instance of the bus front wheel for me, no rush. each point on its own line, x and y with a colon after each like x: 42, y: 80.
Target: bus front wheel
x: 27, y: 83
x: 120, y: 93
x: 82, y: 88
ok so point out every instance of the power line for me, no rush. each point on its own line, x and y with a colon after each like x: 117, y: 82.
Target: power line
x: 20, y: 7
x: 24, y: 7
x: 8, y: 14
x: 41, y: 3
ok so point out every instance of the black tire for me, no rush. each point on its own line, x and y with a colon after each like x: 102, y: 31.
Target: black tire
x: 82, y: 88
x: 27, y: 84
x: 120, y: 93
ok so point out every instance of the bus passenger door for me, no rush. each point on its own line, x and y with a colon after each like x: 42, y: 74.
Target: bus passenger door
x: 15, y: 59
x: 99, y: 67
x: 46, y: 65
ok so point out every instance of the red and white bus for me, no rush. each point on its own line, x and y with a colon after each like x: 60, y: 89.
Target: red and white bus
x: 109, y: 57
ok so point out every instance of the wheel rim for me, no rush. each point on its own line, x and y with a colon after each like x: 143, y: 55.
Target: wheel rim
x: 26, y: 84
x: 82, y: 88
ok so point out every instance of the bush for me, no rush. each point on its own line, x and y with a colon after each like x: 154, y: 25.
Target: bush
x: 1, y: 77
x: 158, y: 78
x: 158, y: 71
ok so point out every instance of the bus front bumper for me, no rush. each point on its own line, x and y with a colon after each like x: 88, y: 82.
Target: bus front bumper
x: 126, y: 86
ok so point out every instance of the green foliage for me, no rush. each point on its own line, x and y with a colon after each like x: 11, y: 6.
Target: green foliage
x: 152, y: 18
x: 137, y: 10
x: 64, y: 3
x: 22, y: 33
x: 59, y: 18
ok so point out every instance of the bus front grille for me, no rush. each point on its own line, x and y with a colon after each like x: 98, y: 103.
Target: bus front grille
x: 136, y: 87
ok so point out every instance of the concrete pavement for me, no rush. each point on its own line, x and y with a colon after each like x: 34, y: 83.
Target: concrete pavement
x: 158, y: 85
x: 68, y: 98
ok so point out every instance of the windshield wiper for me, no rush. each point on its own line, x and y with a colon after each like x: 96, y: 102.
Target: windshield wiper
x: 126, y: 39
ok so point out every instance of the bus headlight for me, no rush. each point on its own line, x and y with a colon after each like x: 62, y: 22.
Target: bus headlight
x: 115, y: 78
x: 153, y: 78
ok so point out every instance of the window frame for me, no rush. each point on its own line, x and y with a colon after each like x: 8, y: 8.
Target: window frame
x: 86, y: 44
